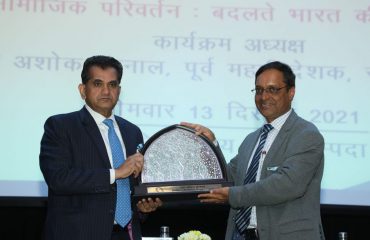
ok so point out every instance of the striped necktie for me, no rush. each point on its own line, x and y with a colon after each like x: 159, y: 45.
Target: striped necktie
x: 243, y: 215
x: 123, y: 206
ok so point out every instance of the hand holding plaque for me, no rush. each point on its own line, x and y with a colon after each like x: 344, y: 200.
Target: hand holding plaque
x: 178, y: 165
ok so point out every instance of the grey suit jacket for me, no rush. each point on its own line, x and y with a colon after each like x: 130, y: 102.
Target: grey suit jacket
x: 287, y: 196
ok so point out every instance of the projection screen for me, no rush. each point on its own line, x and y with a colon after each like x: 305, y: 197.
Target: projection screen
x: 189, y: 61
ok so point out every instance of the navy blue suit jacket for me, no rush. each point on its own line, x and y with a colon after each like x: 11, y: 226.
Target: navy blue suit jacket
x: 75, y: 165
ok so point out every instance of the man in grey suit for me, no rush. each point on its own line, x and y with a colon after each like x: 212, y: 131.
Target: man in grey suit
x: 277, y: 174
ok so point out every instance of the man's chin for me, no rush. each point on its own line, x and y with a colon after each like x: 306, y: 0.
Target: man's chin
x: 265, y: 110
x: 266, y: 113
x: 106, y: 103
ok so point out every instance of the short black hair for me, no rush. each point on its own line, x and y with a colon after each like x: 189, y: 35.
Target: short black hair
x: 102, y: 62
x: 289, y: 76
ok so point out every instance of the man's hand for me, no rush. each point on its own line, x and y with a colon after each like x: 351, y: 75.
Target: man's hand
x: 218, y: 195
x: 148, y: 205
x: 132, y: 165
x: 200, y: 130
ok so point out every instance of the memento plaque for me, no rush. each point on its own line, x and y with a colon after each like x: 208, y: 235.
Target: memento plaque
x: 178, y: 165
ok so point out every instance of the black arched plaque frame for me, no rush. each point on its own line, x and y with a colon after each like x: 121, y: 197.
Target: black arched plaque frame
x: 184, y: 189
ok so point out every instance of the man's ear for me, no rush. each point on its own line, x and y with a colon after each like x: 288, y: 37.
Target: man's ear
x: 82, y: 89
x: 291, y: 93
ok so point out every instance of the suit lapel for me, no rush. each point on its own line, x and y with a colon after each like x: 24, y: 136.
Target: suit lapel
x: 94, y: 133
x: 128, y: 144
x: 124, y: 135
x: 248, y: 154
x: 280, y: 138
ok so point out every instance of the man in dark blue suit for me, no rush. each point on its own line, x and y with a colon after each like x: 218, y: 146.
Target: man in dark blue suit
x: 76, y: 161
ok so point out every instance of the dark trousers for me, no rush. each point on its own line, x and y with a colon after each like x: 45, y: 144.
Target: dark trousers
x: 250, y: 234
x: 120, y: 233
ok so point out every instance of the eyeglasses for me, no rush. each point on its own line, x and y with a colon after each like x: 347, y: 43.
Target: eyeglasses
x: 269, y: 90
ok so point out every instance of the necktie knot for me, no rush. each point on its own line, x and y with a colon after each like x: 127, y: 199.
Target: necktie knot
x: 267, y: 128
x: 108, y: 122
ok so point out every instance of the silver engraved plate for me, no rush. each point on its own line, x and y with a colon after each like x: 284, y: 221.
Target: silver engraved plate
x: 179, y: 164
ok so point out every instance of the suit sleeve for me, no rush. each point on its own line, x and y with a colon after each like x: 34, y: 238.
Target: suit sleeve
x: 302, y: 161
x: 232, y: 168
x: 64, y: 171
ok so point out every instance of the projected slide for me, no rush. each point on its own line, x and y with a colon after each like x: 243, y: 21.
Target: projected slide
x: 189, y: 61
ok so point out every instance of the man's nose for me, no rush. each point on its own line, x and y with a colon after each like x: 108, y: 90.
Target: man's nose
x: 265, y: 95
x: 105, y: 89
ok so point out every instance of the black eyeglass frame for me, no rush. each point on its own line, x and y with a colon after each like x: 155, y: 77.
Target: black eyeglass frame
x: 269, y: 90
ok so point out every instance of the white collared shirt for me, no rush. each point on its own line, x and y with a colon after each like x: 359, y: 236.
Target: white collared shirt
x: 104, y: 133
x: 277, y: 124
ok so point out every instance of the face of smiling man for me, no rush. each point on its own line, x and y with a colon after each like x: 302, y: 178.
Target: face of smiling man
x: 273, y: 104
x: 101, y: 92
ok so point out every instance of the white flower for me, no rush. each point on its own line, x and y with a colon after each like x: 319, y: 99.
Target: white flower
x: 194, y: 235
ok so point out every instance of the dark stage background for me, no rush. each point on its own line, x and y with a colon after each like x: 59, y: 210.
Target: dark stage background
x: 23, y: 218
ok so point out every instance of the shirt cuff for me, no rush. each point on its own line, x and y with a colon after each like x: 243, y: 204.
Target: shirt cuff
x: 112, y: 176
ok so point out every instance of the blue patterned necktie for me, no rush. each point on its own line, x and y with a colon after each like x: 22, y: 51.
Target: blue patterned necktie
x: 123, y: 206
x: 243, y: 215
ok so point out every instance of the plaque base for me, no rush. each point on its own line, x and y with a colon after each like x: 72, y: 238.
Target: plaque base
x: 177, y: 191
